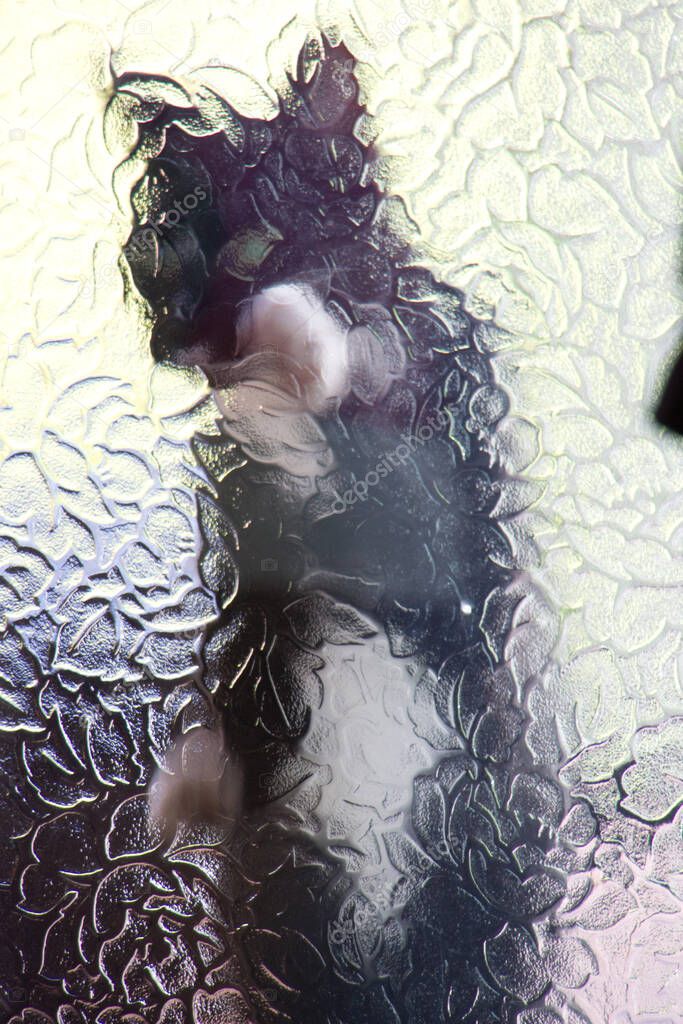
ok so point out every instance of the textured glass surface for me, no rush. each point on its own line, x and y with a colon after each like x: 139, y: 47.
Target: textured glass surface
x: 441, y: 617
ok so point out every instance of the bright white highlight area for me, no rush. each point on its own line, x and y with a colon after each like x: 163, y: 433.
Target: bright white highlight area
x: 290, y: 321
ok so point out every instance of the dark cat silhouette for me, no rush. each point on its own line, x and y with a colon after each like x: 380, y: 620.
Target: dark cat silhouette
x: 410, y: 542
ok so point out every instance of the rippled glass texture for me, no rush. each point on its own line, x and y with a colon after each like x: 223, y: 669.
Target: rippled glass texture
x: 422, y: 563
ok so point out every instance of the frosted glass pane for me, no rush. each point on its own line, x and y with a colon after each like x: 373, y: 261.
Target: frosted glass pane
x: 330, y: 338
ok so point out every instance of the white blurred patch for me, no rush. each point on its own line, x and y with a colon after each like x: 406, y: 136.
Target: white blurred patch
x: 289, y: 321
x: 200, y: 781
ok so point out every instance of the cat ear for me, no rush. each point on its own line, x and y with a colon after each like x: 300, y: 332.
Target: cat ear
x: 329, y: 98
